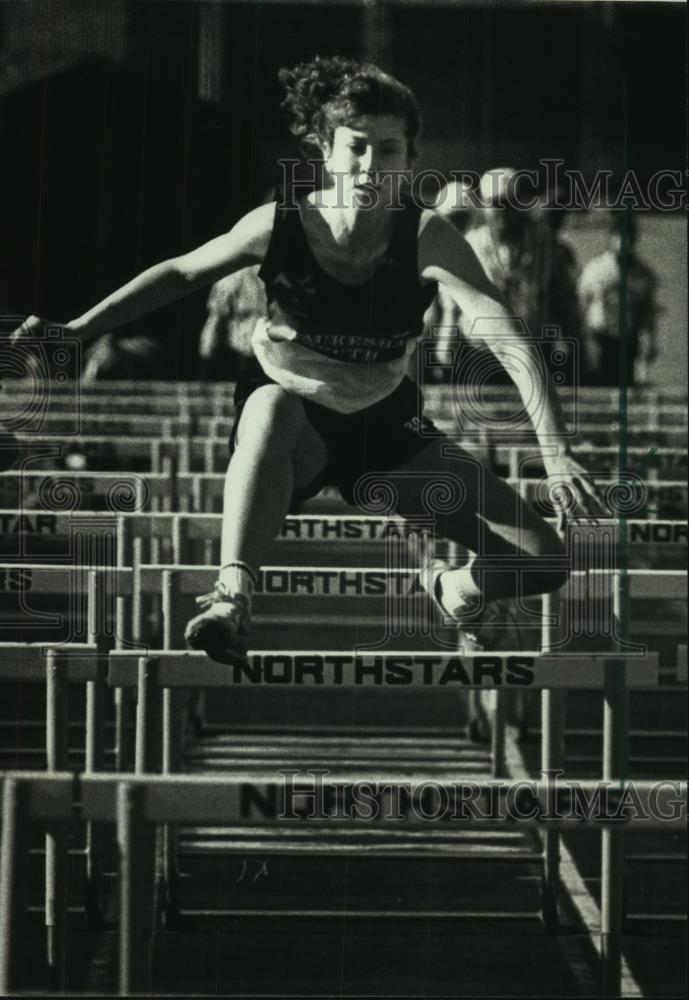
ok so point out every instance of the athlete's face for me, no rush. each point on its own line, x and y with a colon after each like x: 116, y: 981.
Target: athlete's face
x: 361, y: 155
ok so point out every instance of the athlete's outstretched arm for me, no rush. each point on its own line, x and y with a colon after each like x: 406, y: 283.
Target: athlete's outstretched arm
x: 446, y: 257
x: 245, y: 244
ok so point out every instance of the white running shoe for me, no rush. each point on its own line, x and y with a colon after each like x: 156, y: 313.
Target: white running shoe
x: 222, y: 629
x: 492, y: 628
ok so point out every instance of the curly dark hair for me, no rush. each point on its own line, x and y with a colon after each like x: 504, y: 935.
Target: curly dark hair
x: 330, y: 91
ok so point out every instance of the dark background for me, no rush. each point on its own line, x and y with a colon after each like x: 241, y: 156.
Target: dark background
x: 133, y: 130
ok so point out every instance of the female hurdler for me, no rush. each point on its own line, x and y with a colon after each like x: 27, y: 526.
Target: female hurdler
x: 349, y: 271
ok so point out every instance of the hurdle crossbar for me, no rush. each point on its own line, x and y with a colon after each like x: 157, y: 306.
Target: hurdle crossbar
x: 338, y: 669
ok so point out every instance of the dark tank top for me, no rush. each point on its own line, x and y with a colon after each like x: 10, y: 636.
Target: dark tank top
x: 356, y: 323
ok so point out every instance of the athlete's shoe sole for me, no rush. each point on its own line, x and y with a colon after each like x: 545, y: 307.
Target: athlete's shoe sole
x: 211, y: 638
x: 222, y: 628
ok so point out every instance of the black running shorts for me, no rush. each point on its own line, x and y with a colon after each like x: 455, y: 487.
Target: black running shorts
x: 378, y: 438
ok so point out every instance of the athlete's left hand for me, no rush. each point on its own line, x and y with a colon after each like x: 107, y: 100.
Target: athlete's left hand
x: 32, y: 326
x: 578, y: 492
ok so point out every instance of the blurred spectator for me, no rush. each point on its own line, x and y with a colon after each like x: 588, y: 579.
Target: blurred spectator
x: 128, y: 358
x: 454, y: 203
x: 504, y: 242
x: 559, y: 273
x: 599, y: 290
x: 234, y: 305
x: 442, y: 316
x: 523, y: 255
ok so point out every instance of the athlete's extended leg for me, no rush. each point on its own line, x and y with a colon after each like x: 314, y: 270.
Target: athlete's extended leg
x: 515, y: 550
x: 276, y: 451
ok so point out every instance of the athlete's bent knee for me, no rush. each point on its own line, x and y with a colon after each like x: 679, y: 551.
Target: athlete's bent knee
x: 272, y: 412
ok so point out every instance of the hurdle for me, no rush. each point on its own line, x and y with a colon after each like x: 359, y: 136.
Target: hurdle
x: 159, y: 676
x: 98, y: 596
x: 169, y: 668
x: 339, y: 590
x: 197, y: 389
x: 299, y: 530
x: 69, y: 491
x: 175, y: 531
x: 146, y: 454
x: 96, y: 585
x: 57, y: 666
x: 580, y: 414
x: 353, y: 534
x: 75, y: 422
x: 28, y: 528
x: 643, y: 408
x: 596, y: 584
x: 48, y: 799
x: 342, y: 531
x: 617, y: 586
x: 338, y: 594
x: 203, y: 493
x: 161, y: 405
x: 208, y: 455
x: 351, y: 539
x: 136, y: 804
x: 96, y: 602
x: 667, y: 435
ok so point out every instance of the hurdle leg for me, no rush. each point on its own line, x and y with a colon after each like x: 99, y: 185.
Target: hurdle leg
x: 124, y: 614
x: 56, y: 856
x: 147, y: 751
x: 57, y: 881
x: 179, y: 541
x: 136, y: 845
x: 120, y: 700
x: 181, y: 555
x: 498, y: 736
x: 124, y: 713
x: 197, y: 496
x: 615, y: 766
x: 95, y: 761
x: 138, y: 857
x: 137, y: 595
x: 154, y: 557
x: 209, y: 559
x: 95, y: 733
x: 172, y: 751
x: 123, y: 610
x: 155, y: 551
x: 183, y: 455
x: 14, y: 860
x: 155, y: 456
x: 552, y: 757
